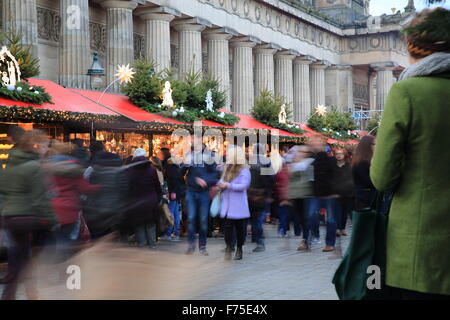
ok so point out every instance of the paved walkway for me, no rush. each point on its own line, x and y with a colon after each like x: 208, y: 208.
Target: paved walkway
x: 280, y: 272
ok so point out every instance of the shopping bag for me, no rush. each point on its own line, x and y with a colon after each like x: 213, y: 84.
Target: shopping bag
x: 367, y: 248
x: 216, y: 205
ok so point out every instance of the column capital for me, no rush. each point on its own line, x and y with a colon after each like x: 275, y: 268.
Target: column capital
x: 384, y: 66
x: 117, y: 4
x: 157, y: 13
x: 304, y: 60
x: 247, y: 41
x: 287, y: 55
x: 220, y: 33
x: 268, y: 48
x: 340, y: 67
x: 321, y: 64
x: 191, y: 24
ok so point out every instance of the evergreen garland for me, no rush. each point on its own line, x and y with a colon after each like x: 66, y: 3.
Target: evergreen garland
x: 45, y: 115
x: 334, y: 124
x: 22, y: 91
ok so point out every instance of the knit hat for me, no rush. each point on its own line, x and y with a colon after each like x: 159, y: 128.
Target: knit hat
x: 139, y: 152
x: 429, y: 32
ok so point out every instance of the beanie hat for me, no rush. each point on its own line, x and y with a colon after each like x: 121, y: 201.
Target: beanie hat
x: 429, y: 32
x: 139, y: 152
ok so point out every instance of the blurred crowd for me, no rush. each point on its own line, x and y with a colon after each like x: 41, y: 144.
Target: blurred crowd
x: 64, y: 195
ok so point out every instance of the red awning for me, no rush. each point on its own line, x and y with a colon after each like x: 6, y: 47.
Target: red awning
x: 64, y: 100
x: 120, y: 104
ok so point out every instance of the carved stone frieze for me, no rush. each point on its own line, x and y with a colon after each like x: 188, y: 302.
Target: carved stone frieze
x: 49, y: 24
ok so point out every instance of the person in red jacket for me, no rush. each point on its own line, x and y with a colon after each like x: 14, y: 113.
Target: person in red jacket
x: 67, y: 186
x: 281, y: 193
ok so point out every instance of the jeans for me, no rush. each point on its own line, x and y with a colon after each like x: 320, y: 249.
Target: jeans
x: 296, y: 216
x: 283, y: 216
x: 198, y: 208
x: 175, y: 210
x: 257, y: 227
x: 146, y: 234
x: 312, y: 206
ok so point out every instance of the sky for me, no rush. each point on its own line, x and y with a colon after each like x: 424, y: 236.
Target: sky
x: 378, y: 7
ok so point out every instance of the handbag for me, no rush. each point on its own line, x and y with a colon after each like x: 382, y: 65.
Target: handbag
x: 216, y: 205
x: 165, y: 217
x: 367, y: 247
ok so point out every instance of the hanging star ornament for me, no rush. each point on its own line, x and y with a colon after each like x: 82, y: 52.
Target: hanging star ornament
x: 124, y: 73
x: 321, y: 110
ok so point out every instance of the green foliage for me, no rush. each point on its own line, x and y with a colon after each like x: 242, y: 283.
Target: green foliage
x: 29, y: 66
x: 192, y: 89
x: 228, y: 118
x: 188, y: 94
x: 335, y: 124
x: 372, y: 125
x: 266, y: 109
x: 26, y: 93
x: 146, y: 85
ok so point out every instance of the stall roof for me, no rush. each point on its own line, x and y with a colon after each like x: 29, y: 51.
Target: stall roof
x: 248, y: 122
x: 121, y: 105
x: 64, y: 100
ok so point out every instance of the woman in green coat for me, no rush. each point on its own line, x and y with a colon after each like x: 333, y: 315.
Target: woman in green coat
x: 26, y: 207
x: 412, y: 157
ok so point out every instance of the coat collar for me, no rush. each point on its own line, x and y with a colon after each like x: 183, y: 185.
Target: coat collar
x: 437, y: 65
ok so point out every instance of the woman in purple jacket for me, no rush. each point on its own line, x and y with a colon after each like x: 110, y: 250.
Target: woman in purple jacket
x: 234, y: 184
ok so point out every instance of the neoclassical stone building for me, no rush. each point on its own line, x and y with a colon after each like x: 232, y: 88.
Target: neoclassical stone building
x: 312, y: 52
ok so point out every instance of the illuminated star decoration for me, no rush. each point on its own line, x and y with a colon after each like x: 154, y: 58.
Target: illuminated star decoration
x: 124, y: 73
x: 321, y: 110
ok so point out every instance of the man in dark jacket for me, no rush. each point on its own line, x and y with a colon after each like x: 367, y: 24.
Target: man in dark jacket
x: 259, y: 192
x: 104, y: 210
x: 324, y: 189
x: 202, y: 174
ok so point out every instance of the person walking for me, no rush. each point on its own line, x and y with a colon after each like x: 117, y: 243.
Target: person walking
x: 66, y: 173
x: 200, y: 170
x: 172, y: 175
x: 411, y: 158
x: 234, y: 183
x: 301, y: 192
x: 144, y: 197
x: 26, y: 204
x: 344, y: 188
x: 364, y: 189
x: 259, y: 192
x: 323, y: 189
x: 282, y: 199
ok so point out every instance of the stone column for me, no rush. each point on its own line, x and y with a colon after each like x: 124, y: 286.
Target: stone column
x: 21, y: 15
x: 119, y: 37
x: 317, y: 81
x: 372, y: 90
x: 302, y: 88
x: 284, y: 81
x: 339, y: 87
x: 243, y: 89
x: 75, y: 51
x: 190, y: 44
x: 219, y: 58
x: 265, y: 68
x: 385, y: 80
x: 157, y: 34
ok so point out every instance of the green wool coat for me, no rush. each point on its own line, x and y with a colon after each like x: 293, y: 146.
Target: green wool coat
x: 412, y: 157
x: 24, y: 189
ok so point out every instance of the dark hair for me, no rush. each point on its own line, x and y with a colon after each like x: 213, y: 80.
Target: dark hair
x: 166, y: 153
x: 96, y: 146
x: 363, y: 152
x: 428, y: 32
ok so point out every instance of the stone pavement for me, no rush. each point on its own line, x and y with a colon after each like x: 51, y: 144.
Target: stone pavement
x: 280, y: 272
